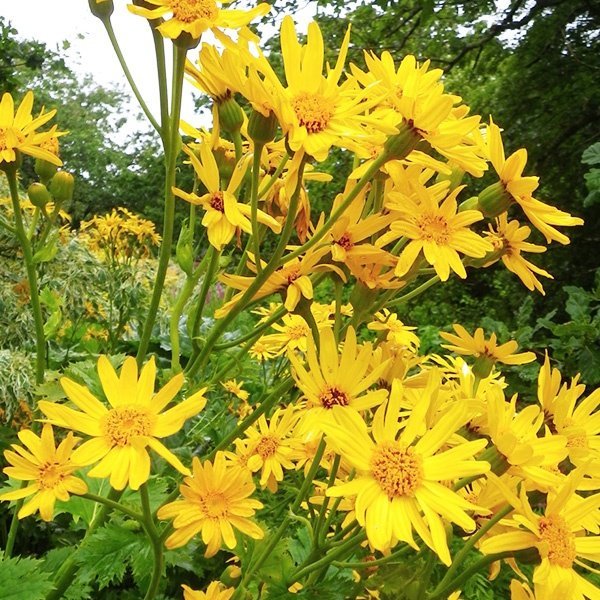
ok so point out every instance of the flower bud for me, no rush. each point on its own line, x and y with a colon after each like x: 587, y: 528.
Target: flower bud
x: 262, y: 129
x: 102, y: 9
x: 231, y: 575
x: 44, y: 170
x: 231, y: 115
x: 184, y: 252
x: 401, y: 144
x: 61, y: 186
x: 39, y: 195
x: 494, y: 200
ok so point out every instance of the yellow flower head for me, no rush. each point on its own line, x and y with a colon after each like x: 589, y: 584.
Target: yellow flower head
x: 48, y: 468
x: 215, y: 591
x: 18, y: 131
x: 122, y: 432
x: 398, y: 478
x: 235, y: 388
x: 438, y: 231
x: 216, y: 499
x: 194, y: 17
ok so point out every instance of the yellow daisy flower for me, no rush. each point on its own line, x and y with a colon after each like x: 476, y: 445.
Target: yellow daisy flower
x: 559, y: 536
x: 215, y: 591
x: 18, y: 131
x: 337, y: 379
x: 235, y: 388
x: 133, y: 422
x: 487, y: 349
x: 398, y: 475
x: 196, y: 16
x: 436, y: 230
x: 215, y: 501
x: 48, y: 468
x: 224, y: 214
x: 397, y: 332
x: 520, y: 189
x: 509, y: 240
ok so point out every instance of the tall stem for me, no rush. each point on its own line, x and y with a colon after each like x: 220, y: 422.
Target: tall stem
x: 157, y: 545
x: 36, y: 307
x: 254, y: 203
x: 172, y: 149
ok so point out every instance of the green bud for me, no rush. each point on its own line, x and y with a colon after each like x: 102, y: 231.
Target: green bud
x: 61, y: 186
x: 184, y: 252
x: 102, y: 9
x: 454, y: 178
x: 39, y: 195
x: 231, y: 115
x: 401, y: 144
x: 494, y: 200
x: 44, y: 170
x: 262, y: 129
x: 230, y: 575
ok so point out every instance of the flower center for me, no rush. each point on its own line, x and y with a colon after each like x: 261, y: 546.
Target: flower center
x: 297, y: 332
x: 434, y: 228
x: 313, y: 111
x: 216, y: 201
x: 577, y: 440
x: 397, y: 470
x: 267, y: 446
x: 50, y: 475
x: 561, y: 542
x: 189, y: 11
x: 214, y: 505
x: 125, y: 423
x: 345, y: 241
x: 333, y: 396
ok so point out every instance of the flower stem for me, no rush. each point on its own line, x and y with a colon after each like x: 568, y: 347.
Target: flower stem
x: 254, y: 203
x: 157, y: 544
x: 36, y: 307
x: 114, y: 505
x: 172, y: 149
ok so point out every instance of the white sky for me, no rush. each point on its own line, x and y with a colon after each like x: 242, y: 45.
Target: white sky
x: 53, y: 21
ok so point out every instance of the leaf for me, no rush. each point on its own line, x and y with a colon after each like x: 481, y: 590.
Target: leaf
x: 47, y: 252
x: 22, y: 579
x: 578, y: 304
x: 591, y: 155
x: 107, y: 553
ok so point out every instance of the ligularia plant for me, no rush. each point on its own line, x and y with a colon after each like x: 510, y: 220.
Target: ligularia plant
x: 269, y: 428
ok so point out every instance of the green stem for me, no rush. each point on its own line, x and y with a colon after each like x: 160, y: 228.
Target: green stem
x: 254, y: 287
x: 115, y: 44
x: 254, y: 203
x: 285, y: 523
x: 416, y: 292
x: 157, y: 544
x: 36, y: 307
x: 161, y: 68
x: 171, y: 152
x: 114, y: 505
x: 278, y: 171
x: 66, y: 574
x: 367, y: 564
x: 320, y: 531
x: 445, y: 590
x: 470, y: 543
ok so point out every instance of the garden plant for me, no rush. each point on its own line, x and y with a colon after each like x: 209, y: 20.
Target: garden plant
x: 249, y: 414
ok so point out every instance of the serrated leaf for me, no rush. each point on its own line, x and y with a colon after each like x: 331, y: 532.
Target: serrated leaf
x: 23, y: 579
x: 591, y: 155
x: 106, y: 554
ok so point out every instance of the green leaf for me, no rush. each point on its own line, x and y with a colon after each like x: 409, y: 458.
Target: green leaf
x: 591, y: 155
x: 47, y: 252
x: 107, y: 554
x: 578, y: 304
x: 22, y: 579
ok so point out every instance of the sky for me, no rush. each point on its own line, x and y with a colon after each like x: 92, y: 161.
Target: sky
x: 90, y: 50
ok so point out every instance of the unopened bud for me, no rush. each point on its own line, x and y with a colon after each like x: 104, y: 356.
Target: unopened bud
x: 401, y: 144
x: 494, y: 200
x: 184, y: 252
x: 61, y: 186
x: 262, y: 129
x: 102, y: 9
x: 44, y: 170
x: 39, y: 195
x: 231, y: 115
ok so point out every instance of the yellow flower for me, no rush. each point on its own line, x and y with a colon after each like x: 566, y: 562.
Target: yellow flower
x: 215, y: 591
x: 18, y: 131
x: 318, y: 113
x: 235, y: 388
x: 437, y: 230
x: 337, y: 382
x: 560, y: 537
x: 398, y: 475
x: 48, y: 468
x: 397, y: 332
x: 121, y: 433
x: 487, y: 349
x: 196, y: 16
x: 520, y: 189
x: 215, y: 501
x: 271, y: 446
x: 509, y: 240
x: 224, y: 214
